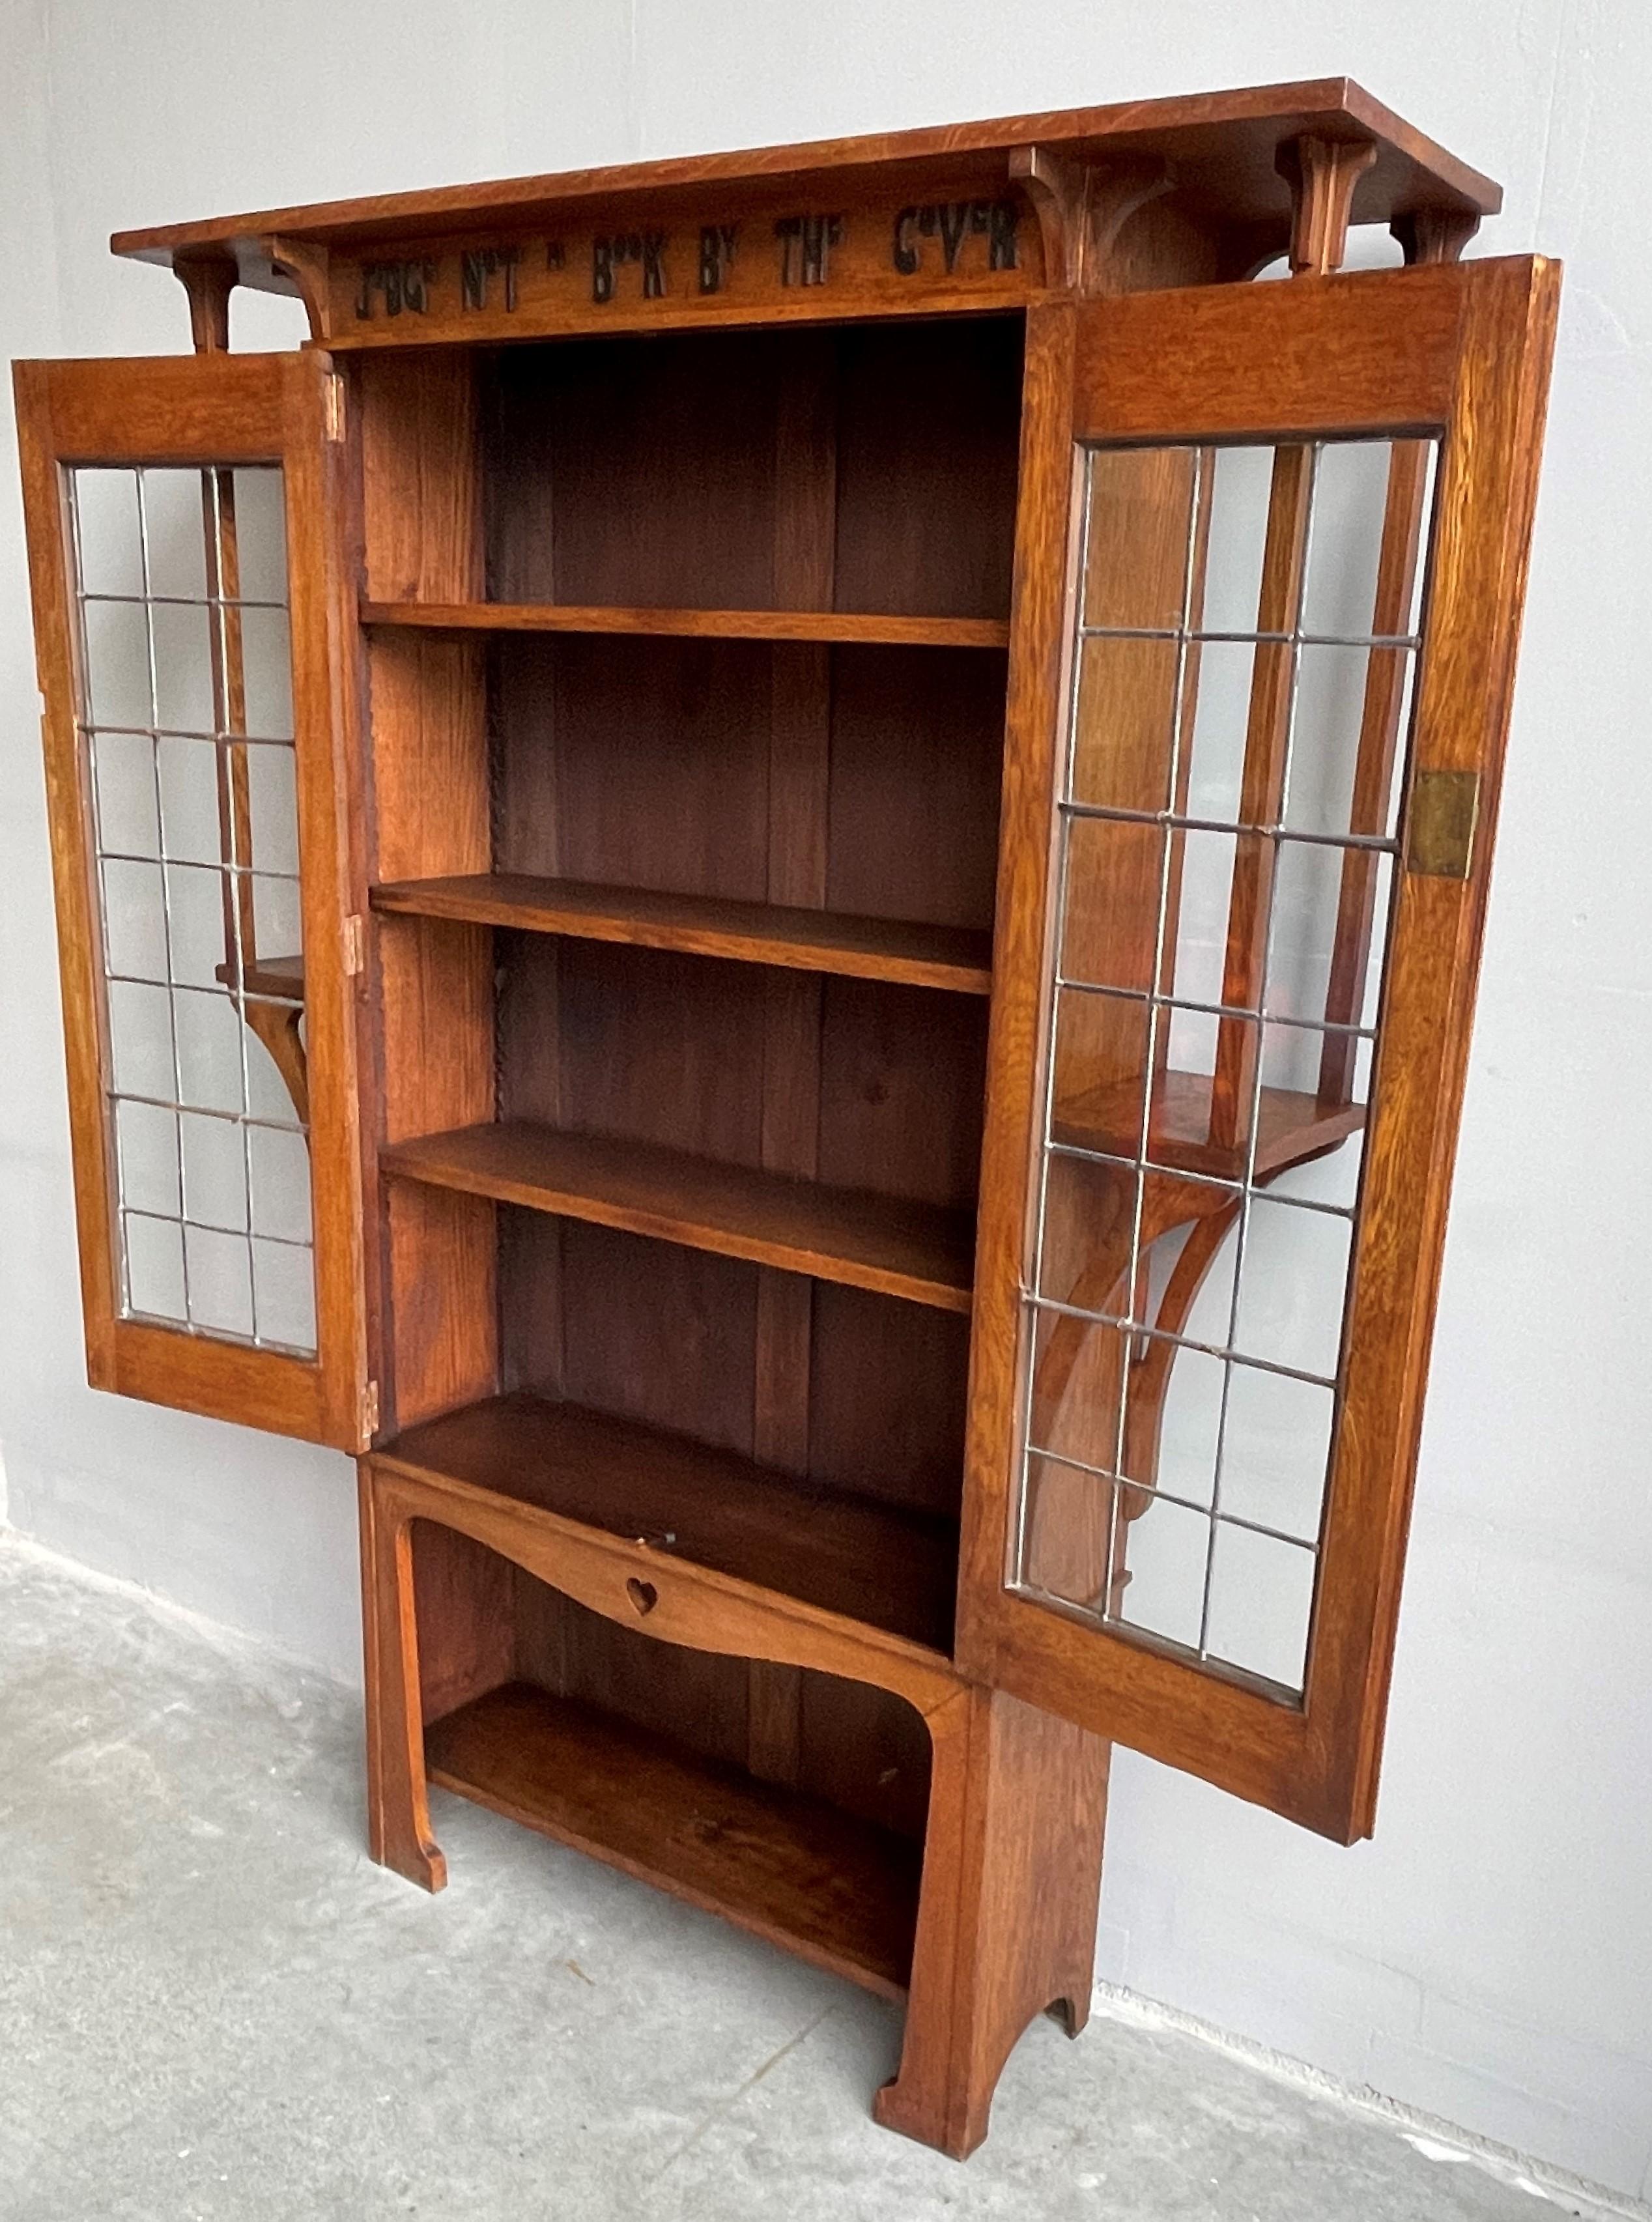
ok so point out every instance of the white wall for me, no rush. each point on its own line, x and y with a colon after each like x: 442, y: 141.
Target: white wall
x: 1489, y: 1957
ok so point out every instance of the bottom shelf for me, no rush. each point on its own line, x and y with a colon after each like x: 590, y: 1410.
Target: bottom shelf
x: 789, y: 1867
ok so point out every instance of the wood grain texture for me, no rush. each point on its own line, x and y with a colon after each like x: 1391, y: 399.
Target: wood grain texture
x: 849, y: 1554
x: 223, y: 410
x: 753, y: 933
x: 918, y: 1252
x: 1315, y: 1759
x: 789, y: 1867
x: 711, y: 625
x: 1183, y: 365
x: 1223, y: 143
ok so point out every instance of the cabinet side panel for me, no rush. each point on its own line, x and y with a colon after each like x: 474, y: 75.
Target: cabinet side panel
x: 429, y: 815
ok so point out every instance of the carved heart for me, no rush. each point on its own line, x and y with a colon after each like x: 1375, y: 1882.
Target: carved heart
x: 643, y: 1595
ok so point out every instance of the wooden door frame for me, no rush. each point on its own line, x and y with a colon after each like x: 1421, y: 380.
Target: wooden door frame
x: 183, y: 411
x: 1458, y: 350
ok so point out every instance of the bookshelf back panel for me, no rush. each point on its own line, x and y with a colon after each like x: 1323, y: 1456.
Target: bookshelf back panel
x: 685, y: 471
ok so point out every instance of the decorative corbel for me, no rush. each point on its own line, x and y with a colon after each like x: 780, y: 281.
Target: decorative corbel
x: 208, y: 280
x: 1081, y: 208
x: 308, y: 266
x: 1322, y: 174
x: 1434, y: 235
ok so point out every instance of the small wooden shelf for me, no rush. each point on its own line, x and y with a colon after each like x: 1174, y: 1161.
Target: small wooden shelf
x: 754, y: 933
x: 789, y: 1867
x: 887, y: 1243
x: 848, y: 627
x: 872, y: 1562
x: 1291, y: 1125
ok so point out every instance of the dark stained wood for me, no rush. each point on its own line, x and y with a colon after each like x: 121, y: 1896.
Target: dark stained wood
x: 850, y: 1555
x: 904, y: 1249
x: 755, y: 933
x: 789, y: 1867
x: 711, y: 625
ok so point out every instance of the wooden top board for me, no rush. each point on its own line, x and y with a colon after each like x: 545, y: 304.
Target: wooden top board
x: 911, y: 221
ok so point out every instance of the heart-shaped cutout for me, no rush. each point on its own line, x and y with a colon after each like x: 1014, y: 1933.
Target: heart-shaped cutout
x: 643, y: 1595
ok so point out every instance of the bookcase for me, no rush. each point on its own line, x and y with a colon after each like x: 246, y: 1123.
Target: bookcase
x: 771, y: 879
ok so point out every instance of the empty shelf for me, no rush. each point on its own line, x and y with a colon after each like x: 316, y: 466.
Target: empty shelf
x: 756, y: 934
x: 846, y: 627
x: 828, y: 1887
x: 887, y: 1243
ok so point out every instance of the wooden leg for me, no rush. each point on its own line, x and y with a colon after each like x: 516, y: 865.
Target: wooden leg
x: 398, y: 1818
x: 1007, y: 1914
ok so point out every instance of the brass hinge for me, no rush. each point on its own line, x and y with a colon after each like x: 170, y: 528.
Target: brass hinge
x: 334, y: 405
x: 355, y: 945
x: 368, y: 1417
x: 1439, y: 829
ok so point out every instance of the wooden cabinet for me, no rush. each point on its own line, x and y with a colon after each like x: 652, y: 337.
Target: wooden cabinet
x: 773, y: 879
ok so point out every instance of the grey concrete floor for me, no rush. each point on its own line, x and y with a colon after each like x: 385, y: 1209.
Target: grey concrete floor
x: 213, y: 2006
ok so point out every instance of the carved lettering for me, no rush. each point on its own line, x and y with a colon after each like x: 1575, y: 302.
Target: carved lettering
x: 1002, y: 219
x: 646, y: 247
x: 806, y: 244
x: 398, y: 285
x: 905, y: 254
x: 477, y: 266
x: 954, y: 217
x: 653, y: 265
x: 952, y: 223
x: 717, y: 243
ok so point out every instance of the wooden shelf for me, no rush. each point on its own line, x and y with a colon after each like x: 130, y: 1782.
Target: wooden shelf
x: 896, y: 1247
x: 279, y: 978
x: 826, y: 1886
x: 879, y: 1564
x: 1292, y: 1125
x: 754, y: 933
x: 847, y: 627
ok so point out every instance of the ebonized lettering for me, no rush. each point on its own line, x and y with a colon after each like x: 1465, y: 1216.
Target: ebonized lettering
x: 398, y: 285
x: 716, y: 245
x: 478, y: 265
x: 806, y: 244
x: 646, y: 248
x: 952, y: 222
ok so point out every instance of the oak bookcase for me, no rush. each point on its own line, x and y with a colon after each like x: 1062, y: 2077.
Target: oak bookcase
x: 772, y: 879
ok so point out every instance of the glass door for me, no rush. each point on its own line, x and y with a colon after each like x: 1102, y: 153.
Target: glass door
x: 190, y: 631
x: 1250, y: 821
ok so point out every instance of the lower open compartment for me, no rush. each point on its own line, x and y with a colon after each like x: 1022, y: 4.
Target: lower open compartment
x: 789, y: 1801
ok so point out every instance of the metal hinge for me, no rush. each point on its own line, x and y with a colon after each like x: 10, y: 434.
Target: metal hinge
x: 368, y: 1417
x: 1440, y: 828
x: 355, y: 945
x: 334, y: 405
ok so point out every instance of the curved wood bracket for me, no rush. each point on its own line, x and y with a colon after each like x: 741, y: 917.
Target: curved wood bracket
x: 308, y: 266
x: 209, y: 281
x: 1434, y: 235
x: 1081, y: 208
x: 1322, y: 174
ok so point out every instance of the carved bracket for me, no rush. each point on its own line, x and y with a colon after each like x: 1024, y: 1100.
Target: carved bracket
x: 309, y: 268
x: 1436, y: 235
x: 1322, y: 174
x: 208, y: 281
x: 1081, y: 208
